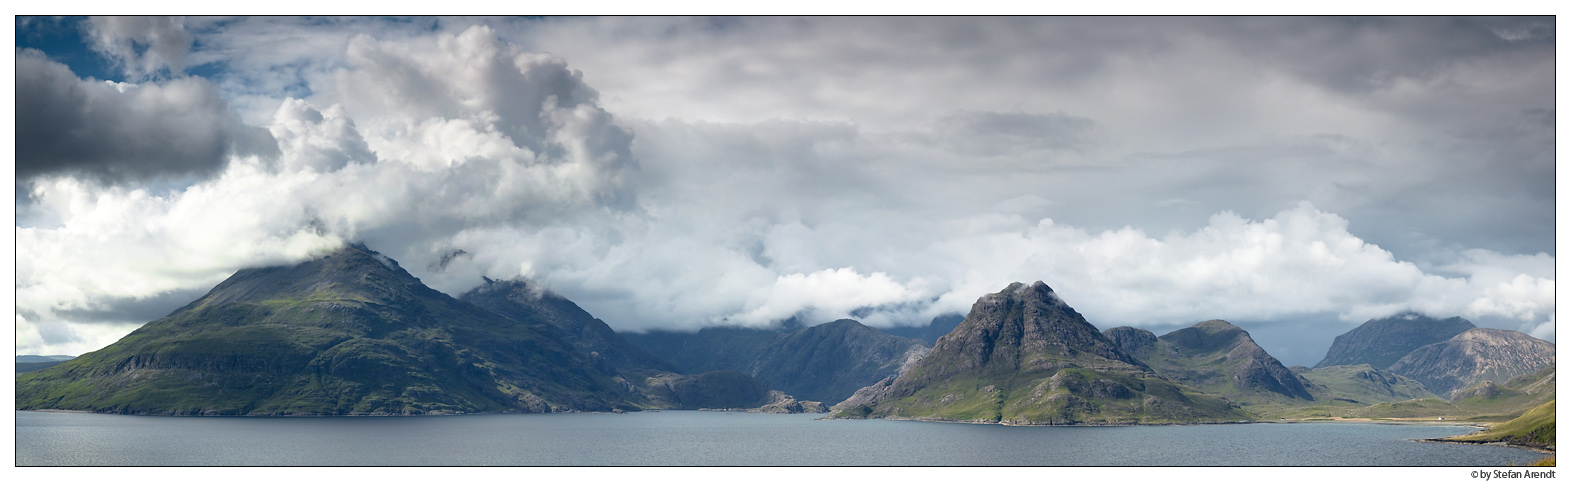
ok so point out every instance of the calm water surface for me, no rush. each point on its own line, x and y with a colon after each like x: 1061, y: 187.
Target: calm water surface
x: 716, y: 438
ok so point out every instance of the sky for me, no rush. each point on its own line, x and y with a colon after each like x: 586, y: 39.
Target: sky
x: 1295, y: 176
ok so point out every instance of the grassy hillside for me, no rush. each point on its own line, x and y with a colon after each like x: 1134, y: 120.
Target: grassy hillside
x: 349, y: 333
x: 1066, y: 396
x: 1536, y: 428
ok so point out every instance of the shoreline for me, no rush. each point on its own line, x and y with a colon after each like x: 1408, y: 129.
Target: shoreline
x: 1449, y: 423
x: 1542, y: 450
x: 428, y: 414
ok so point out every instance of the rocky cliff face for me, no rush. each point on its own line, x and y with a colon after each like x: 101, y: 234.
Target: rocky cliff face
x: 1023, y: 356
x: 1381, y: 342
x: 1134, y: 341
x: 346, y: 333
x: 1475, y: 355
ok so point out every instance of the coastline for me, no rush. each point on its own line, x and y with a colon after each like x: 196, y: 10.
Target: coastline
x: 1542, y: 450
x: 1458, y: 423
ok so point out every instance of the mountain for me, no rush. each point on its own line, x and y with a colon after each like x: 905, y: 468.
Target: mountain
x: 829, y: 362
x: 1381, y: 342
x: 940, y: 326
x: 1134, y: 341
x: 1361, y: 384
x: 1472, y: 356
x: 517, y: 301
x: 715, y: 389
x: 1510, y: 397
x: 1023, y: 356
x: 824, y: 363
x: 346, y: 333
x: 709, y: 349
x: 653, y: 380
x: 1215, y: 357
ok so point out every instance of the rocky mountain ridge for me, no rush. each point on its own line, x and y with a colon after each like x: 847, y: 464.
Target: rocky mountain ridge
x: 1023, y: 356
x: 1381, y: 342
x: 1475, y: 355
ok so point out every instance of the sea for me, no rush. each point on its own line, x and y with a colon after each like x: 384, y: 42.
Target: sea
x: 717, y: 438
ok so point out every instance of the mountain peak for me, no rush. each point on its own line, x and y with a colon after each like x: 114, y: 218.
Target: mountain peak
x: 1474, y: 355
x: 1027, y: 325
x: 1215, y: 342
x: 1022, y: 355
x: 1219, y: 326
x: 352, y: 272
x: 1381, y: 342
x: 347, y: 332
x: 1021, y: 292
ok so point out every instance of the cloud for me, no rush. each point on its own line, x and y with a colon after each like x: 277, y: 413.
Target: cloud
x: 995, y: 133
x: 680, y: 173
x: 828, y: 294
x: 121, y: 132
x: 142, y: 45
x: 529, y: 149
x: 1363, y: 116
x: 316, y: 140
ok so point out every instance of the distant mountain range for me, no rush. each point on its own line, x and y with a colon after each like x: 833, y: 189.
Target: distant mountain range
x: 940, y: 326
x: 1381, y: 342
x: 33, y: 363
x: 1445, y: 355
x: 825, y: 363
x: 352, y: 333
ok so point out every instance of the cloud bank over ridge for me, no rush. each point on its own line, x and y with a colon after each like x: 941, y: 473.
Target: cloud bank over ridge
x: 773, y: 190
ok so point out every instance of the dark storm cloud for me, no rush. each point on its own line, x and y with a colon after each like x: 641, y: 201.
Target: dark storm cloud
x: 122, y: 132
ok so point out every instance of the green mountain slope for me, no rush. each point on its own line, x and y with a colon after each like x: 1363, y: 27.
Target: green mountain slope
x: 1215, y: 357
x: 517, y: 301
x: 1536, y: 428
x: 1360, y: 384
x: 346, y: 333
x: 1483, y: 401
x: 653, y: 381
x: 1507, y: 399
x: 1023, y: 356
